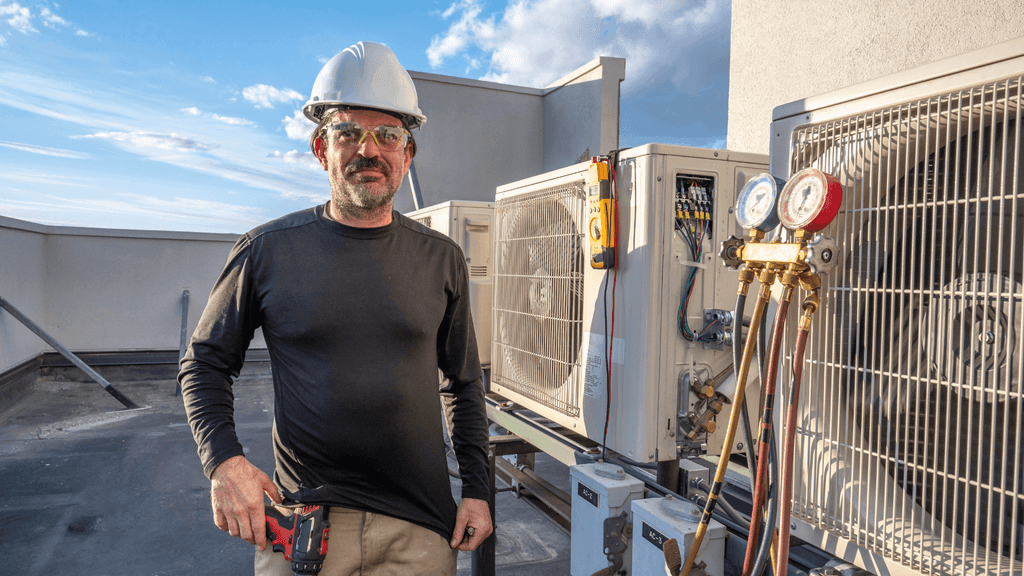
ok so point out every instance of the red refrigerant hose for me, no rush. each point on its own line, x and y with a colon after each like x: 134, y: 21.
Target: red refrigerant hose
x: 771, y: 378
x: 810, y: 305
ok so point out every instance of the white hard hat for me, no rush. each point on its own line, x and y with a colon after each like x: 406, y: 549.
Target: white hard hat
x: 366, y: 75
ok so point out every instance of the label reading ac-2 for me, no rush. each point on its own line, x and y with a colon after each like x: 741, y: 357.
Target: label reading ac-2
x: 653, y: 536
x: 589, y: 495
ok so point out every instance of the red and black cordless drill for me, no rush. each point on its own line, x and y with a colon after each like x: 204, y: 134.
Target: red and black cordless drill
x: 302, y: 537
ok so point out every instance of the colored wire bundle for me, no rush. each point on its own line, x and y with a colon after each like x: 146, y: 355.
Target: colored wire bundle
x: 693, y: 228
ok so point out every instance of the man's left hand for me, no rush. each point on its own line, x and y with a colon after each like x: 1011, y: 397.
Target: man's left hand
x: 472, y: 513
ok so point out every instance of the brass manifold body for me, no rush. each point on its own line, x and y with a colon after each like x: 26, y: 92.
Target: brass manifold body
x: 809, y: 255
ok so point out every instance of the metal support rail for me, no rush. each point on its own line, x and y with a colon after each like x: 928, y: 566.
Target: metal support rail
x: 560, y: 446
x: 540, y: 494
x: 67, y: 354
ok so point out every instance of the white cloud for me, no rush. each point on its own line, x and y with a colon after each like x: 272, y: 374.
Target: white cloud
x: 264, y: 96
x: 149, y: 140
x: 50, y: 179
x: 677, y: 55
x: 51, y: 20
x: 208, y: 79
x: 193, y: 111
x: 232, y: 120
x: 535, y: 42
x: 60, y: 153
x: 449, y: 11
x: 468, y: 29
x: 298, y: 127
x: 177, y: 213
x: 195, y: 208
x: 20, y: 17
x: 296, y: 157
x: 141, y: 126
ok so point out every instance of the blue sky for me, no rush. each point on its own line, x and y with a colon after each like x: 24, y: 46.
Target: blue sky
x: 186, y: 115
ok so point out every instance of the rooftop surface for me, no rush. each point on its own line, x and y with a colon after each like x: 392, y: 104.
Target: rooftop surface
x: 93, y: 489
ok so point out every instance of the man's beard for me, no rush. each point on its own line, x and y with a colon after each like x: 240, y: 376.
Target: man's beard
x: 356, y: 200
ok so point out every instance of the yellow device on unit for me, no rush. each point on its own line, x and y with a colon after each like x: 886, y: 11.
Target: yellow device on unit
x: 600, y: 216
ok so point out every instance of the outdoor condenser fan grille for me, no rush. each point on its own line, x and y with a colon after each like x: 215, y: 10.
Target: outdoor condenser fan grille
x: 912, y: 431
x: 538, y: 295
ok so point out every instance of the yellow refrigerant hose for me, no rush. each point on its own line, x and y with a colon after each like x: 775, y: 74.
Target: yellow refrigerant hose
x: 767, y: 278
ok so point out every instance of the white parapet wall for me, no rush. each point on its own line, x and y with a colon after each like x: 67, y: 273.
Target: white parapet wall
x: 480, y: 135
x: 103, y: 290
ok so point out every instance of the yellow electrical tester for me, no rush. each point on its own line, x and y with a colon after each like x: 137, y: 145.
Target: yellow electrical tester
x: 601, y: 216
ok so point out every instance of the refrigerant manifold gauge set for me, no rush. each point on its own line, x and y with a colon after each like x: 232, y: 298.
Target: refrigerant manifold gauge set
x: 804, y: 205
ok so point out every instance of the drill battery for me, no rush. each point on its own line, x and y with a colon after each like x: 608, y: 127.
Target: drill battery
x: 301, y: 537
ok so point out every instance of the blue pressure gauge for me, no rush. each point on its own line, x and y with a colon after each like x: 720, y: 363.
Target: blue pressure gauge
x: 757, y: 206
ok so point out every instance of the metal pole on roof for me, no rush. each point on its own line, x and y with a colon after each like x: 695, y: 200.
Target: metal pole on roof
x: 183, y: 342
x: 67, y: 354
x: 414, y: 185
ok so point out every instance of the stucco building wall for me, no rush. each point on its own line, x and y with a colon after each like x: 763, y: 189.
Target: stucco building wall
x: 786, y: 51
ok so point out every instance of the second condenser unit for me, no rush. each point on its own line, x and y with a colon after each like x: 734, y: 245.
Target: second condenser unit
x: 660, y: 320
x: 470, y: 225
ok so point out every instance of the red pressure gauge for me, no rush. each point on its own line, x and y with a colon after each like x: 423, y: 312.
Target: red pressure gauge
x: 810, y: 200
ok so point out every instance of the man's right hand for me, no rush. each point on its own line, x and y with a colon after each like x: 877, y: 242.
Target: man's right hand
x: 236, y: 492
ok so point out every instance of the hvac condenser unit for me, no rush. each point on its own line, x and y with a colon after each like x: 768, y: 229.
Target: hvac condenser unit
x: 912, y: 422
x: 470, y: 224
x: 553, y: 313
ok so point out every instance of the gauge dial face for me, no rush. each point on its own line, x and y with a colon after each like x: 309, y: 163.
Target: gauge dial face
x: 810, y: 200
x: 758, y: 202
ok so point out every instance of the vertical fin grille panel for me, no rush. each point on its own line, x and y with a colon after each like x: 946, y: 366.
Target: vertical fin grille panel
x: 913, y: 422
x: 538, y: 295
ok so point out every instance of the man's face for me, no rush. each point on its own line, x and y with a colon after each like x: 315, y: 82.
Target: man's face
x: 363, y: 176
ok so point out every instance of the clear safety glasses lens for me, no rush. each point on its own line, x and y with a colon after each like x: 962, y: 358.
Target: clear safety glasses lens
x: 352, y: 134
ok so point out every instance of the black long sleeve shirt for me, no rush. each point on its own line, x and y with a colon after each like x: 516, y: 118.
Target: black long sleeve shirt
x: 357, y: 322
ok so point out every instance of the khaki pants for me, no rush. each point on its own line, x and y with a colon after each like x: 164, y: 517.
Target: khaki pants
x: 367, y: 544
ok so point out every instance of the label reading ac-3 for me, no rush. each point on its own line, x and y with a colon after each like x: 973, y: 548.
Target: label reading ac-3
x: 653, y: 536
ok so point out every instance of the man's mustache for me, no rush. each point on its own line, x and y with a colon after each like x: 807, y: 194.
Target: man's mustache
x: 361, y: 163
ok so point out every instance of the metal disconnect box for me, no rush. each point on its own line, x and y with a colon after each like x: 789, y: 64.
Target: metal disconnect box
x: 599, y: 491
x: 655, y: 520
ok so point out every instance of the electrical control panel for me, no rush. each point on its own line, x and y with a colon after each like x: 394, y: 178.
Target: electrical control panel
x: 695, y: 196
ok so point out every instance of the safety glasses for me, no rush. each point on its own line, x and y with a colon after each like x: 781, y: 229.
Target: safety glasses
x: 388, y: 138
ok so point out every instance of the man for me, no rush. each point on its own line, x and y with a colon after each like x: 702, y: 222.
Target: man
x: 359, y: 307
